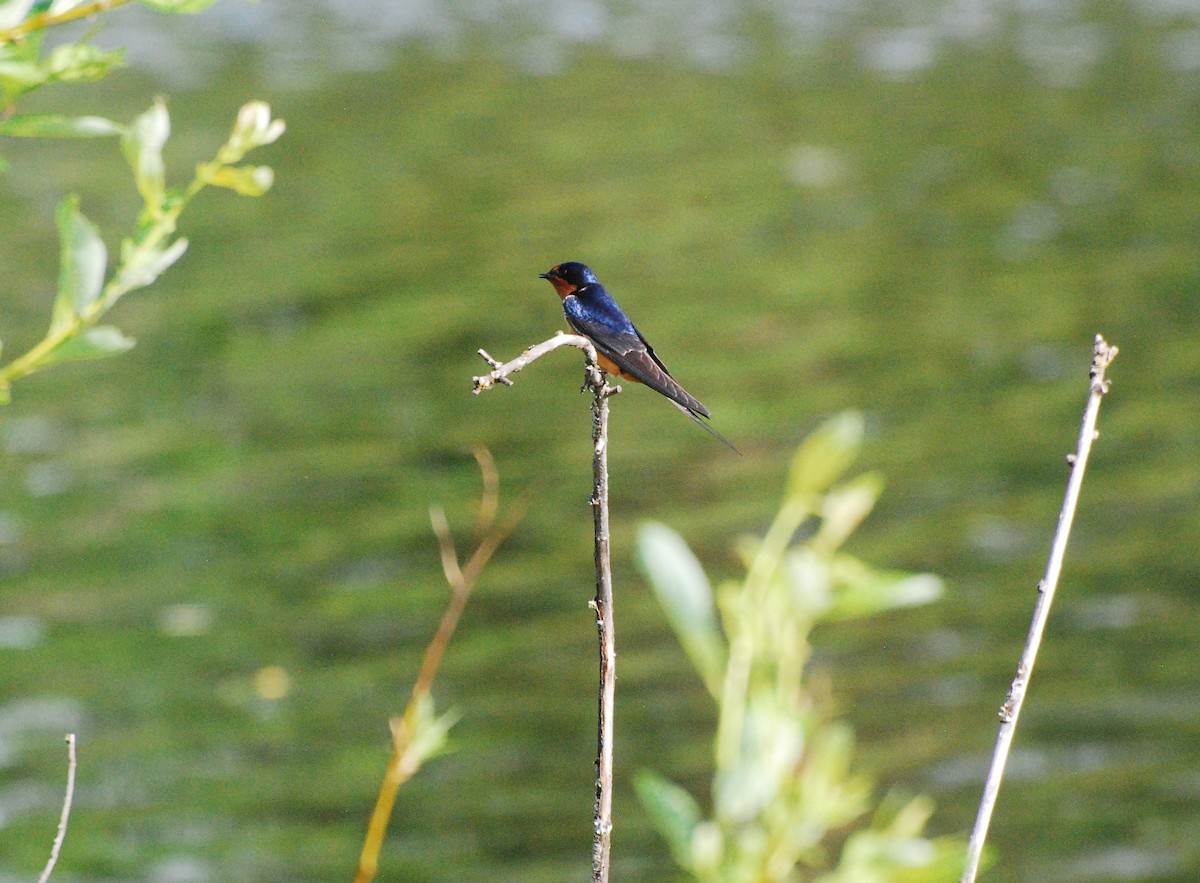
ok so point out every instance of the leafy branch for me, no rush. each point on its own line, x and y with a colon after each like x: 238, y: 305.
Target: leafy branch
x: 83, y: 295
x: 21, y: 18
x: 23, y: 26
x: 783, y: 784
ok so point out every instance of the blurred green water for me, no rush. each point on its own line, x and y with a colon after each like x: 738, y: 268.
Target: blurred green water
x: 796, y: 233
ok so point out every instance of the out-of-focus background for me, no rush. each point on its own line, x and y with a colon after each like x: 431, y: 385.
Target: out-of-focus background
x: 215, y: 560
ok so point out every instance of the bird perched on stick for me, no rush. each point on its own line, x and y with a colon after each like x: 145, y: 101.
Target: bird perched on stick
x: 620, y: 347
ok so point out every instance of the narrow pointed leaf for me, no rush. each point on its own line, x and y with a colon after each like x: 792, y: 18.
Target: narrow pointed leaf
x: 19, y: 76
x: 686, y: 596
x: 246, y: 180
x: 810, y: 582
x: 13, y: 12
x: 82, y: 63
x: 845, y: 507
x: 143, y: 144
x: 95, y: 343
x: 52, y: 125
x: 864, y: 590
x: 140, y: 271
x: 82, y: 262
x: 674, y: 812
x: 825, y: 455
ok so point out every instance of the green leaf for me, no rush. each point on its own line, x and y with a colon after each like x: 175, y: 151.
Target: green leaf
x: 894, y: 849
x: 143, y: 144
x: 82, y: 63
x: 52, y: 125
x: 20, y: 69
x: 13, y: 12
x: 810, y: 581
x: 900, y: 814
x: 674, y: 812
x: 846, y: 588
x: 825, y: 455
x: 246, y: 180
x: 140, y: 269
x: 95, y: 343
x: 82, y: 263
x: 863, y: 590
x: 178, y: 5
x: 839, y: 795
x: 844, y: 509
x: 771, y: 746
x: 19, y: 77
x: 686, y: 596
x: 428, y: 733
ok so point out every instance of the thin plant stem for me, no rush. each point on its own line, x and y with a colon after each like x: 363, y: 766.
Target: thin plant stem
x: 731, y: 725
x: 404, y: 762
x: 48, y: 19
x: 68, y: 798
x: 115, y: 288
x: 1102, y: 357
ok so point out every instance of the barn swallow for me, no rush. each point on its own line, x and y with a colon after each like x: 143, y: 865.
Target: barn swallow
x: 620, y: 347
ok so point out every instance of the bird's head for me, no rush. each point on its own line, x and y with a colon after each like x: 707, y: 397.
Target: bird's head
x: 569, y: 277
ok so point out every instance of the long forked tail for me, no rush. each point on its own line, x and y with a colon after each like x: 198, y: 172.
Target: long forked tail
x: 700, y: 421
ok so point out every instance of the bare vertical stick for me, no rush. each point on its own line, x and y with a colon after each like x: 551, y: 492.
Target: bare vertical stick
x: 66, y: 812
x: 1102, y: 357
x: 603, y: 603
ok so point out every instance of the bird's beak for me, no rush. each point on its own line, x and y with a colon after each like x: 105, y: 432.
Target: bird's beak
x: 545, y: 276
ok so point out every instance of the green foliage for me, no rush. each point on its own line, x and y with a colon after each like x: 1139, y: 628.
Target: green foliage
x: 23, y: 65
x: 687, y: 599
x: 783, y: 783
x: 83, y: 295
x: 22, y: 25
x: 23, y: 69
x: 426, y: 733
x: 49, y: 125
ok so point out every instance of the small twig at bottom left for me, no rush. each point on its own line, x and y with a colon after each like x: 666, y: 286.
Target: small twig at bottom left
x: 66, y: 812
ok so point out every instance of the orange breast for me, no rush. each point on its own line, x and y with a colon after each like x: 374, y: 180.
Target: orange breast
x: 611, y: 367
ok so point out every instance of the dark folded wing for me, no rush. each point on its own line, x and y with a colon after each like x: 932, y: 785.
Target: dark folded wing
x: 630, y: 352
